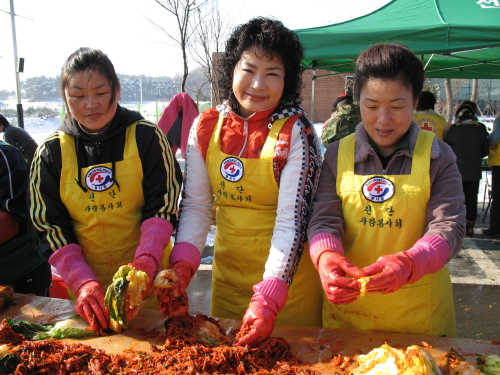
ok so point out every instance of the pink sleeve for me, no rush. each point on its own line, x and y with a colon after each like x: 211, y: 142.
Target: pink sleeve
x: 322, y: 242
x: 71, y: 265
x: 155, y: 236
x: 189, y: 109
x: 429, y: 255
x: 186, y: 252
x: 272, y: 292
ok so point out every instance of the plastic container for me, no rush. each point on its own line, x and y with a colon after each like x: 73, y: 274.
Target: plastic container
x: 58, y: 289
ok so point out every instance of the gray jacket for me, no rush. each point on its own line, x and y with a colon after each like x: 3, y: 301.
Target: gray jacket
x: 445, y: 210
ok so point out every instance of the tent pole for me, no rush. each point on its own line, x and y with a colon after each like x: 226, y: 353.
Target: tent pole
x: 20, y: 119
x: 312, y: 94
x: 430, y: 58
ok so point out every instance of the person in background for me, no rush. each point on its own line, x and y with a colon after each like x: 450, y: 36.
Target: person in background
x: 258, y: 154
x: 104, y: 187
x: 388, y: 211
x: 469, y: 140
x: 177, y: 119
x: 344, y: 120
x: 427, y: 118
x: 494, y: 162
x: 19, y: 138
x: 22, y: 264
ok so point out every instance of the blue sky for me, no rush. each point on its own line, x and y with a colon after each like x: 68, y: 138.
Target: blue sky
x: 49, y: 31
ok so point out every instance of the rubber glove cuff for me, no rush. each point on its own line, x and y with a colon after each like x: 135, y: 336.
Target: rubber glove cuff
x: 72, y: 267
x: 321, y: 243
x: 188, y: 253
x: 271, y: 292
x: 155, y: 236
x: 429, y: 255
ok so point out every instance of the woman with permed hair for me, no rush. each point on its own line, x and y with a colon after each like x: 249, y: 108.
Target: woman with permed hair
x: 258, y: 155
x: 388, y: 212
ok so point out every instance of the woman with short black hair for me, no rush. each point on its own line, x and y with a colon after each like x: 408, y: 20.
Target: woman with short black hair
x: 388, y: 213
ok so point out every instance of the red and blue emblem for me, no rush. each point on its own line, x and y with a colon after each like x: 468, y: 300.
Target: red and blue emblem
x: 231, y: 169
x: 378, y: 189
x: 99, y: 179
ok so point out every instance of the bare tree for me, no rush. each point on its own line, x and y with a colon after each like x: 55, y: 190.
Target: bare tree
x: 448, y: 110
x: 475, y: 90
x: 197, y: 85
x: 183, y: 11
x: 209, y: 37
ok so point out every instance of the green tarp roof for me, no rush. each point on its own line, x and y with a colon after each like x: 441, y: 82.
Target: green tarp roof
x: 454, y: 38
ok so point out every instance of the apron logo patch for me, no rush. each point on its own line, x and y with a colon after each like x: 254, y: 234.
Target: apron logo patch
x: 378, y: 189
x: 231, y: 169
x: 99, y: 179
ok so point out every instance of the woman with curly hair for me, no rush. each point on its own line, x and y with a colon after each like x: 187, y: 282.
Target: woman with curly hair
x: 256, y: 157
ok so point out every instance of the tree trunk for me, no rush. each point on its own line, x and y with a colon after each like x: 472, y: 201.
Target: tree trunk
x: 474, y: 93
x: 186, y: 70
x: 449, y: 100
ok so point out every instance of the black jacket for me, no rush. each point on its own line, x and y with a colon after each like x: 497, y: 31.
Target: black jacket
x: 160, y: 169
x: 469, y: 141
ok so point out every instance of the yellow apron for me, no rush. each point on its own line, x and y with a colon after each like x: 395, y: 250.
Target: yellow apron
x: 246, y: 197
x: 494, y: 155
x: 431, y: 122
x: 377, y: 224
x: 106, y: 219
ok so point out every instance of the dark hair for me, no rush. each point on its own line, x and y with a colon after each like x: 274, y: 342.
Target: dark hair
x: 90, y: 61
x: 269, y: 38
x: 466, y: 111
x: 342, y: 100
x: 390, y: 61
x: 426, y: 101
x: 4, y: 121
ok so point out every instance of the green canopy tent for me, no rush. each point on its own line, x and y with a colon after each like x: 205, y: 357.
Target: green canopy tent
x: 453, y: 38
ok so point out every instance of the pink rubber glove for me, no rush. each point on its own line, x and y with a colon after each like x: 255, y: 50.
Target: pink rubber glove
x: 258, y: 323
x: 327, y: 255
x: 80, y: 279
x: 155, y: 236
x: 391, y: 272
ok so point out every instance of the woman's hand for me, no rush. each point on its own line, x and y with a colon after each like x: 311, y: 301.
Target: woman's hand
x: 90, y: 306
x: 170, y: 287
x: 258, y: 322
x: 333, y: 269
x: 390, y: 272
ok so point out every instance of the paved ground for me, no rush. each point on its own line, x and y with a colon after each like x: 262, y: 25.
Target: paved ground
x: 476, y: 284
x: 475, y: 275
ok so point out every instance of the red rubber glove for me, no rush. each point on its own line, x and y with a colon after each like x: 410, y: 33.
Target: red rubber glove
x: 81, y: 280
x: 90, y: 306
x: 391, y: 272
x: 185, y: 273
x: 170, y: 288
x: 270, y: 297
x: 258, y: 322
x: 184, y: 261
x: 339, y: 289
